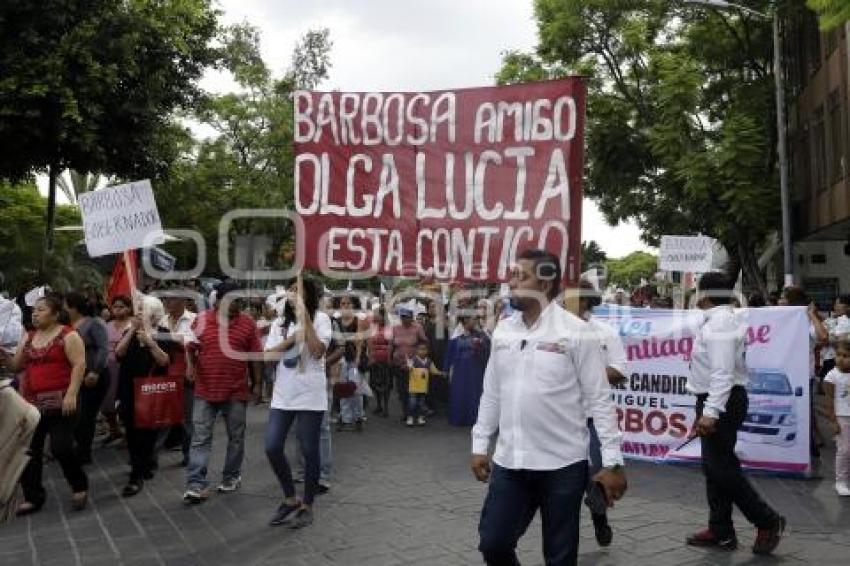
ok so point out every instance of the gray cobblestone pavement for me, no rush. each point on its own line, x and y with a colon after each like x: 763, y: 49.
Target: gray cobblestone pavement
x: 399, y: 496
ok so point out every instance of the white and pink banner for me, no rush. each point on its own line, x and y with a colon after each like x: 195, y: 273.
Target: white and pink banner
x: 656, y: 411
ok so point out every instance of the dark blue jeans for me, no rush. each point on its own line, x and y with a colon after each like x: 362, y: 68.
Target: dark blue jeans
x: 307, y: 432
x: 416, y: 405
x: 513, y: 498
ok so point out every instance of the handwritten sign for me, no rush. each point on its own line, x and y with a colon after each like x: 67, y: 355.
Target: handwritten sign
x: 688, y: 254
x: 449, y: 185
x: 120, y: 218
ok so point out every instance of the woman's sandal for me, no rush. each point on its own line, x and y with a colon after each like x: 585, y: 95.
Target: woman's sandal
x: 27, y: 508
x: 79, y: 500
x: 131, y: 489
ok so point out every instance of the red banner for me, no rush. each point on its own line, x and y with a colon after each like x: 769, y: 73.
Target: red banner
x: 449, y: 184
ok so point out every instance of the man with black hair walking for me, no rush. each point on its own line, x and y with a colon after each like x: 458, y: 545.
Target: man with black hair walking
x: 545, y: 369
x: 718, y: 379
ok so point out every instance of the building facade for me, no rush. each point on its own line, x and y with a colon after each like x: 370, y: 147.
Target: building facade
x: 817, y: 68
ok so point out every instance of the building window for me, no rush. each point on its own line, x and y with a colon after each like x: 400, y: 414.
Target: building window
x: 836, y: 139
x: 819, y: 149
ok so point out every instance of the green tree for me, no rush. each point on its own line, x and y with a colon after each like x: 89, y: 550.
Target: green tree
x: 93, y: 84
x: 21, y: 224
x: 833, y: 13
x: 680, y: 115
x: 591, y: 254
x: 630, y: 270
x: 249, y: 161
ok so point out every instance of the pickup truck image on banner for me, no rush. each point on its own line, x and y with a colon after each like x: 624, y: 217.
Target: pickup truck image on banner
x: 656, y: 410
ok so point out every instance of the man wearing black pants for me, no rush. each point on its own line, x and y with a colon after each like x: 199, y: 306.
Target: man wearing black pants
x: 718, y: 377
x: 545, y: 369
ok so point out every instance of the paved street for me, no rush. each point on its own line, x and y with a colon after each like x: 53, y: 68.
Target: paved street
x: 400, y: 496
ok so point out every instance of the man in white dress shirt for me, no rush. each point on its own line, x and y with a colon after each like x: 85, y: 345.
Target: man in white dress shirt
x: 544, y: 370
x: 718, y: 379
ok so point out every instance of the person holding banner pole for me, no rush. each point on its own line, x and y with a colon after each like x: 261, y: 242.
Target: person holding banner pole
x: 142, y: 353
x: 300, y: 399
x: 718, y: 379
x: 544, y: 370
x: 614, y: 358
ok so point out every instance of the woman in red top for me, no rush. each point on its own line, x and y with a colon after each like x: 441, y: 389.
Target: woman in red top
x: 379, y: 349
x: 53, y: 359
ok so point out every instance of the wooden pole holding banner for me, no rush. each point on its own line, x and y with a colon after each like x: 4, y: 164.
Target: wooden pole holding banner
x: 131, y: 277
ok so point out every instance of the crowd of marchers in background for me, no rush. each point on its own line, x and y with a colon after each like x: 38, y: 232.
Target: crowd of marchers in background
x: 320, y: 361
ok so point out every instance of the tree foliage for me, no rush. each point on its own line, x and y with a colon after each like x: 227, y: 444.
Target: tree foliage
x: 93, y: 85
x: 628, y: 271
x: 591, y: 254
x: 21, y: 226
x: 90, y: 84
x: 680, y: 115
x: 248, y: 161
x: 833, y: 13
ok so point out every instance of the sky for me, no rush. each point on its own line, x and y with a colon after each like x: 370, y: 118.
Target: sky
x: 392, y: 45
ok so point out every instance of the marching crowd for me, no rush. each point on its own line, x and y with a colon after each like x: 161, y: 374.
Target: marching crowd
x: 316, y: 358
x: 324, y: 360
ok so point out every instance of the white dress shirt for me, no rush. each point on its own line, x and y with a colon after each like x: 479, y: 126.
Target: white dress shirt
x: 613, y: 352
x: 718, y: 359
x: 535, y: 386
x: 181, y: 328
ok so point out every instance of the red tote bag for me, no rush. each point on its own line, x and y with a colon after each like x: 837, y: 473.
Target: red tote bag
x: 158, y: 401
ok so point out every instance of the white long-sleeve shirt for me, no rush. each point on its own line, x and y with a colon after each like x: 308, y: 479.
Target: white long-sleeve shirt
x: 535, y: 385
x: 613, y: 352
x: 718, y: 358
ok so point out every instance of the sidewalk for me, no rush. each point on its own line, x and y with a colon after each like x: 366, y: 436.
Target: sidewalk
x: 399, y: 496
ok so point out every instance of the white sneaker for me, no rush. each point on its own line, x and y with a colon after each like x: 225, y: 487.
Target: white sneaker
x: 842, y: 489
x: 231, y: 485
x: 420, y: 421
x: 193, y: 496
x: 409, y: 421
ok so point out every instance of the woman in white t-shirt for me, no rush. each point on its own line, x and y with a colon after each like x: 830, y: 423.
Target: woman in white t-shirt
x: 299, y: 339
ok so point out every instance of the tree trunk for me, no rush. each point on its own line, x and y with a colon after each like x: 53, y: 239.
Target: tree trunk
x: 53, y: 173
x: 748, y: 262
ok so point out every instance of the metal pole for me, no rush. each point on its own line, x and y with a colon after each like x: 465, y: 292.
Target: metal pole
x: 781, y: 134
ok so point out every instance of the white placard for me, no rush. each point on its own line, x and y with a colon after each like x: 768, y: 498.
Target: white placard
x: 688, y: 254
x: 120, y: 218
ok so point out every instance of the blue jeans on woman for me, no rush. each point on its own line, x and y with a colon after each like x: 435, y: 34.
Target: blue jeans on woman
x: 307, y: 432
